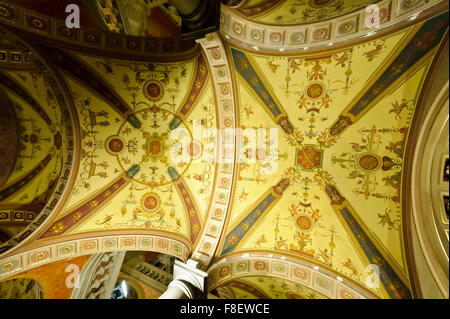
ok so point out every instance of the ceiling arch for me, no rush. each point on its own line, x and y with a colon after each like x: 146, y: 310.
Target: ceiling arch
x: 76, y: 246
x: 160, y: 152
x: 224, y: 153
x: 46, y: 134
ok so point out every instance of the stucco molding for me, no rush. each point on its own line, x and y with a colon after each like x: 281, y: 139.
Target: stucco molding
x: 347, y: 28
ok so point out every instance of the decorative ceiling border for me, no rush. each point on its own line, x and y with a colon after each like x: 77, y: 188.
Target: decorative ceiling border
x: 89, y: 38
x: 252, y: 34
x: 317, y: 278
x: 71, y: 148
x: 221, y: 193
x: 88, y: 246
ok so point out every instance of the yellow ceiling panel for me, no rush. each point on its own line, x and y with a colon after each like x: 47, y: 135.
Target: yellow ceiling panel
x: 98, y: 121
x: 367, y: 163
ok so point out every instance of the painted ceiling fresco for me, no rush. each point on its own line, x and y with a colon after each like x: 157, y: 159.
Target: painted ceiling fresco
x: 288, y: 12
x: 343, y: 120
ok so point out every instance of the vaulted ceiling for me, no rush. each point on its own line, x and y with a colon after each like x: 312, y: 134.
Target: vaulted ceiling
x: 291, y: 12
x: 323, y: 188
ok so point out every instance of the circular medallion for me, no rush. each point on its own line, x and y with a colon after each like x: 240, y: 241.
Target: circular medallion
x: 153, y: 90
x: 297, y: 37
x: 114, y: 145
x: 260, y: 265
x: 150, y: 202
x: 256, y: 35
x: 315, y: 90
x: 304, y: 223
x: 369, y: 162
